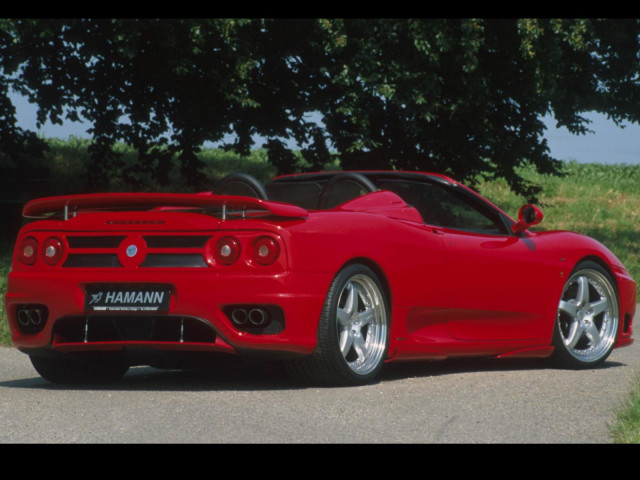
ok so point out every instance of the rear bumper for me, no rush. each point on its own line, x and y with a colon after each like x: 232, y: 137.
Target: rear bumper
x: 199, y: 297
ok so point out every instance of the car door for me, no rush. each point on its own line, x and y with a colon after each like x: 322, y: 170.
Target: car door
x: 501, y: 286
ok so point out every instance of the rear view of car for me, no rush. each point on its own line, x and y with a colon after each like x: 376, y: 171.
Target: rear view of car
x: 108, y: 281
x: 332, y: 274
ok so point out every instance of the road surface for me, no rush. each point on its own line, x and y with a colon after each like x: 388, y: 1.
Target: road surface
x: 471, y: 401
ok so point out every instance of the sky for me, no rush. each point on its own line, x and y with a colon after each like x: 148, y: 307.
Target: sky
x: 608, y: 144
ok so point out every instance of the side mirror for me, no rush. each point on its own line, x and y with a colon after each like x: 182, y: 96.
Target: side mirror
x: 528, y: 215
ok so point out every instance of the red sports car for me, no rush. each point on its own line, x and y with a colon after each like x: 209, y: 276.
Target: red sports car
x: 333, y: 274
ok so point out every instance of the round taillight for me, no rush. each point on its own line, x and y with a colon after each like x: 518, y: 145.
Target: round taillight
x: 28, y: 251
x: 227, y: 250
x: 265, y: 250
x: 52, y: 251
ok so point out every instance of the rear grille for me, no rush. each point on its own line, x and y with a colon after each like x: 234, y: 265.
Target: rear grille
x: 162, y: 251
x: 188, y: 241
x: 95, y: 241
x: 75, y: 260
x: 132, y: 328
x: 177, y: 260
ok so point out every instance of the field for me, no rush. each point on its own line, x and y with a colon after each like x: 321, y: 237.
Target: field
x: 602, y: 201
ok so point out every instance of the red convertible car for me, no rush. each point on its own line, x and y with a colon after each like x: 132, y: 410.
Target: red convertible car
x: 332, y: 274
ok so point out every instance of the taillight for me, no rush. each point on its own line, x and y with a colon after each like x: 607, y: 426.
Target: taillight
x: 243, y: 250
x: 227, y: 250
x: 28, y: 251
x: 52, y: 251
x: 265, y: 250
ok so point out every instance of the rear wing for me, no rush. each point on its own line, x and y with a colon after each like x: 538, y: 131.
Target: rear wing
x: 224, y: 205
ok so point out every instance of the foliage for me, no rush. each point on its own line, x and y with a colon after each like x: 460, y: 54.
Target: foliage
x: 68, y: 160
x: 6, y: 251
x: 627, y: 425
x: 465, y: 97
x: 458, y: 96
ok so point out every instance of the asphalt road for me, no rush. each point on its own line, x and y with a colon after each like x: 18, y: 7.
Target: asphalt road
x: 486, y: 401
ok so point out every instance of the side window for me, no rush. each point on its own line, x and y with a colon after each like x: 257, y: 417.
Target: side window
x: 444, y: 207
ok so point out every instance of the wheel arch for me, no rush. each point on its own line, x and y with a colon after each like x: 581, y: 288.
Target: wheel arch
x: 378, y: 270
x: 602, y: 263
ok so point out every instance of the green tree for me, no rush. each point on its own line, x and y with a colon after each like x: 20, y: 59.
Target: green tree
x: 162, y: 86
x: 466, y: 97
x: 462, y: 97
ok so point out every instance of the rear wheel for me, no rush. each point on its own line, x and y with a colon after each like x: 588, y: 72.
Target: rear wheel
x: 353, y: 332
x: 588, y: 318
x: 81, y: 370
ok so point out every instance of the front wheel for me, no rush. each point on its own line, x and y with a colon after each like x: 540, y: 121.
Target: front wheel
x: 353, y: 332
x: 588, y: 317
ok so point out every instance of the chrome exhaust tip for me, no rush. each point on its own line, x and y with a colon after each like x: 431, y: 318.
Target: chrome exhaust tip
x: 31, y: 318
x: 35, y: 316
x: 258, y: 317
x: 23, y: 317
x: 239, y: 316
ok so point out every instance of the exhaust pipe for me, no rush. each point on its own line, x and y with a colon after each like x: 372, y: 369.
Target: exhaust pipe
x: 258, y: 317
x: 23, y: 317
x: 249, y: 318
x: 35, y: 317
x: 31, y: 318
x: 239, y: 316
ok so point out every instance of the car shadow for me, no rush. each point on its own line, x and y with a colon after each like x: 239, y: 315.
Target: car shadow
x: 230, y: 374
x: 402, y: 370
x: 233, y: 374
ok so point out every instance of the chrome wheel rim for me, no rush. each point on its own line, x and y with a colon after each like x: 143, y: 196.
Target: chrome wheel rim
x: 588, y: 315
x: 362, y: 324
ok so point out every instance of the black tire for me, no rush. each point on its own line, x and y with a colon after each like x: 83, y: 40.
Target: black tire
x: 361, y: 326
x: 81, y: 370
x: 588, y: 318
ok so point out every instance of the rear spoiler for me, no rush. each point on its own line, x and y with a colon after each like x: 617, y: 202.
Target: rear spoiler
x: 66, y: 206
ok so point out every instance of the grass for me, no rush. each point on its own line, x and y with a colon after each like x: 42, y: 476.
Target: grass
x: 601, y: 201
x: 5, y: 265
x: 627, y: 426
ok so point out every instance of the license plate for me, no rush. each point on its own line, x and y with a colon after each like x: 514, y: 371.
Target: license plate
x: 131, y: 298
